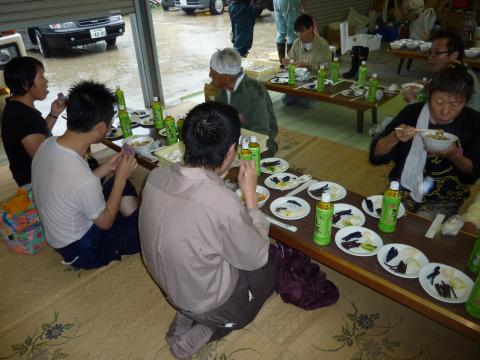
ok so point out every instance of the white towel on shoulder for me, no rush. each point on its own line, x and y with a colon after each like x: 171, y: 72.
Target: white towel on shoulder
x: 412, y: 174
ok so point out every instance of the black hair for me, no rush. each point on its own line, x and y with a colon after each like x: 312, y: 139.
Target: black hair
x: 454, y: 42
x: 454, y: 79
x: 88, y: 104
x: 20, y: 74
x: 208, y: 132
x: 303, y: 22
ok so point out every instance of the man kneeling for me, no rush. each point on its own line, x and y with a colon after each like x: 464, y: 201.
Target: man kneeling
x: 84, y: 228
x: 205, y: 249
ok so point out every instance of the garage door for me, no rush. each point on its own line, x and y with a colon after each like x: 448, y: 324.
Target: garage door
x: 16, y: 14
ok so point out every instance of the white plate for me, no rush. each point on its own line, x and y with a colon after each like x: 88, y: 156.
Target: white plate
x: 290, y: 184
x: 283, y: 74
x: 415, y: 86
x: 277, y: 80
x: 377, y: 204
x: 283, y: 166
x: 368, y: 236
x: 405, y: 252
x: 337, y: 192
x: 117, y: 134
x: 313, y: 86
x: 293, y: 211
x: 357, y: 216
x: 462, y: 294
x: 162, y: 132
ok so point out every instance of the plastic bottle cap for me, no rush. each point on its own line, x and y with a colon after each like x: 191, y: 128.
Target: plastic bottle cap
x: 245, y: 145
x: 167, y: 113
x: 118, y: 87
x: 322, y: 67
x: 364, y: 62
x: 155, y: 98
x: 121, y: 107
x: 335, y: 59
x: 253, y: 139
x: 326, y: 197
x: 374, y: 75
x: 291, y: 61
x: 394, y: 185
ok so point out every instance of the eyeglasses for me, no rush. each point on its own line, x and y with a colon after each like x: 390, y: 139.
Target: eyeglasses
x: 438, y: 53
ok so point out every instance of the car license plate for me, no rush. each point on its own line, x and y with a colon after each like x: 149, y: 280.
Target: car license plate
x: 183, y: 2
x: 98, y: 33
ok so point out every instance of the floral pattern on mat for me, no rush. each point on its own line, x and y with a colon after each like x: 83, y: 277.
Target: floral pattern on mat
x: 46, y: 345
x: 367, y: 335
x: 211, y: 352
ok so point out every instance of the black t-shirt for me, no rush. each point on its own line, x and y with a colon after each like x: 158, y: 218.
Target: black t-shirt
x: 449, y: 182
x: 19, y: 121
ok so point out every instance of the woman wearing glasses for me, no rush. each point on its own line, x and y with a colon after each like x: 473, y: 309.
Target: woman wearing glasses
x: 450, y: 172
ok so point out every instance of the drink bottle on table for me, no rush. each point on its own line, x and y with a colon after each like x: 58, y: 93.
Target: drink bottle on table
x: 473, y: 303
x: 157, y: 113
x: 322, y: 75
x: 291, y: 73
x: 125, y: 123
x: 245, y: 153
x: 362, y: 74
x: 323, y: 220
x: 390, y: 206
x: 254, y: 148
x: 474, y: 259
x: 372, y: 88
x: 335, y: 70
x: 120, y: 97
x: 171, y: 129
x: 180, y: 122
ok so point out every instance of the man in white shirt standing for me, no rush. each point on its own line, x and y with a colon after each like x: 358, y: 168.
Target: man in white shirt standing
x: 88, y: 223
x: 206, y: 250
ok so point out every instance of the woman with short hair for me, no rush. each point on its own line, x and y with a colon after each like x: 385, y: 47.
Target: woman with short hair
x: 23, y: 127
x: 451, y: 171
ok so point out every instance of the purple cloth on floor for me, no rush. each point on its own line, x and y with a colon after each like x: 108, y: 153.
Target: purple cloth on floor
x: 301, y: 282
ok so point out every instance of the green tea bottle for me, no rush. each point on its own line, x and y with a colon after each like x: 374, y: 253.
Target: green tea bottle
x: 245, y: 153
x: 372, y: 88
x: 421, y: 95
x: 322, y: 75
x: 473, y: 303
x: 171, y: 129
x: 335, y: 70
x: 474, y: 260
x: 291, y: 73
x: 157, y: 113
x: 254, y: 148
x: 362, y: 74
x: 180, y: 122
x: 323, y: 221
x: 390, y: 206
x: 120, y: 96
x: 125, y: 123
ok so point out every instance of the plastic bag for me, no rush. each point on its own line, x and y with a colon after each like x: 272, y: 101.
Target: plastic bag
x: 356, y: 20
x: 421, y: 27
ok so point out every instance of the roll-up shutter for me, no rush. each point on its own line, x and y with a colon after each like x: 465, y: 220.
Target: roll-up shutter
x: 327, y: 11
x: 16, y: 14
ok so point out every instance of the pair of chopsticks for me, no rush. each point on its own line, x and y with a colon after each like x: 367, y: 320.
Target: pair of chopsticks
x: 417, y: 130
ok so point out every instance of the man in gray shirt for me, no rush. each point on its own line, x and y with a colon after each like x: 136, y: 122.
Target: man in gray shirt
x: 206, y: 250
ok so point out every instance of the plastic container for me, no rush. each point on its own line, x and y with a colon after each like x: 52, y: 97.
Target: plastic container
x: 291, y: 73
x: 157, y: 113
x: 261, y: 70
x: 245, y: 153
x: 255, y: 150
x: 171, y: 129
x: 322, y: 75
x: 125, y: 123
x: 372, y: 88
x: 120, y: 97
x: 323, y: 221
x: 335, y: 70
x: 390, y: 206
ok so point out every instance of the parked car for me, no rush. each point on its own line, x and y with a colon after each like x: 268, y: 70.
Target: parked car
x: 52, y: 37
x: 216, y: 6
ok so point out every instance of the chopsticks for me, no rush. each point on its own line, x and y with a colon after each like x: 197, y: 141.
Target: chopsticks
x: 416, y: 130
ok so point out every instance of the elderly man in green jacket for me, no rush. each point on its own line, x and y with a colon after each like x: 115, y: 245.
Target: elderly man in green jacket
x: 248, y: 96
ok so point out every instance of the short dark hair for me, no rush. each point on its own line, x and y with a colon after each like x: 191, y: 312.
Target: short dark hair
x: 454, y: 79
x: 303, y: 22
x: 89, y: 103
x: 20, y: 74
x: 208, y: 132
x: 454, y: 42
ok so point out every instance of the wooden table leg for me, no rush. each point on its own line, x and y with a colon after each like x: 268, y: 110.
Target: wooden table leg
x: 360, y: 121
x: 409, y: 63
x: 374, y: 115
x: 400, y: 65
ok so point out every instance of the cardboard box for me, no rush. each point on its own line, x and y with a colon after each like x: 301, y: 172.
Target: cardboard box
x: 211, y: 92
x: 261, y: 70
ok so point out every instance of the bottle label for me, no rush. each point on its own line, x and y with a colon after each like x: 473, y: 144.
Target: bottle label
x: 335, y: 72
x: 372, y: 91
x: 157, y: 117
x: 321, y: 81
x: 291, y: 75
x: 256, y: 156
x: 125, y: 124
x: 362, y: 75
x: 323, y: 226
x: 247, y: 155
x: 171, y: 131
x: 389, y: 214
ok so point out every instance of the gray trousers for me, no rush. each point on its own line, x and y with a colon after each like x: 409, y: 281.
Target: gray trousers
x: 189, y: 332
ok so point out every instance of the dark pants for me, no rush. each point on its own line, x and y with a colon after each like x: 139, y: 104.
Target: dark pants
x: 98, y: 247
x: 242, y: 16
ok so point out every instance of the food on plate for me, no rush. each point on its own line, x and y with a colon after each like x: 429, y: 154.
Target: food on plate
x: 392, y: 253
x: 437, y: 135
x: 412, y: 264
x: 140, y: 143
x: 294, y: 202
x: 353, y: 235
x: 400, y: 268
x: 445, y: 290
x: 338, y: 215
x: 353, y: 220
x: 318, y: 192
x: 350, y: 244
x: 271, y: 165
x: 369, y: 204
x: 283, y: 182
x: 409, y: 252
x: 260, y: 197
x: 457, y: 283
x: 286, y: 212
x: 433, y: 274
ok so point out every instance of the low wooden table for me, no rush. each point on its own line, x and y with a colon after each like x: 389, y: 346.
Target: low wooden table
x: 332, y: 95
x: 410, y: 55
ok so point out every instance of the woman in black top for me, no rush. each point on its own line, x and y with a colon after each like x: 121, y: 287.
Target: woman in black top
x: 451, y: 170
x: 23, y: 127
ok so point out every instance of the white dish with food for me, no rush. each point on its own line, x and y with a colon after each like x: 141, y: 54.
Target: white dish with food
x: 262, y: 195
x: 290, y: 208
x: 372, y: 205
x: 413, y: 86
x: 345, y: 215
x: 358, y: 241
x: 277, y: 80
x: 412, y: 45
x: 337, y: 192
x: 471, y: 53
x: 438, y: 281
x: 281, y: 181
x: 437, y: 140
x: 402, y: 260
x: 396, y: 45
x: 141, y: 144
x: 273, y: 165
x: 425, y: 47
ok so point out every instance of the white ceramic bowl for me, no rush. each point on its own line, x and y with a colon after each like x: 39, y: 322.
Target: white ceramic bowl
x: 425, y: 47
x: 412, y: 45
x: 260, y: 190
x: 435, y: 145
x: 396, y: 45
x: 471, y: 53
x: 141, y: 144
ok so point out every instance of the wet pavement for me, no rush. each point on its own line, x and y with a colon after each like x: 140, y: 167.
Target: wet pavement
x: 184, y: 46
